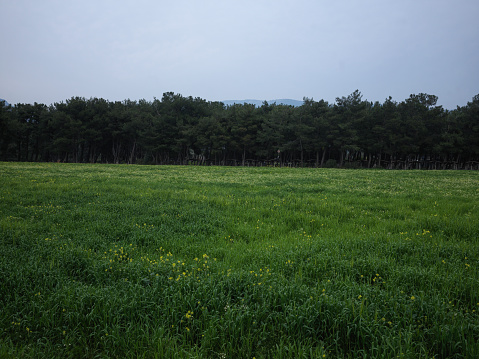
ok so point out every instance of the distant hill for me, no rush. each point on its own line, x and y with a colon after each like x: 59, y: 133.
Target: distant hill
x: 6, y: 103
x: 259, y: 103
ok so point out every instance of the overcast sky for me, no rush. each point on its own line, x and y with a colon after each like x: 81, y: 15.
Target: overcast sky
x: 248, y: 49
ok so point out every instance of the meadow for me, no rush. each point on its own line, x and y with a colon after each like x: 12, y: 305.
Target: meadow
x: 123, y: 261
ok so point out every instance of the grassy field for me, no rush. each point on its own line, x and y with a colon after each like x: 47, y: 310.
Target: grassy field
x: 216, y: 262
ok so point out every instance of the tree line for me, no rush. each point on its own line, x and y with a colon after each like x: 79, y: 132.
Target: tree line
x: 351, y: 133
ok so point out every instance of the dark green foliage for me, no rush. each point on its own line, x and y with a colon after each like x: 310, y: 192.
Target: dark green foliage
x: 412, y: 134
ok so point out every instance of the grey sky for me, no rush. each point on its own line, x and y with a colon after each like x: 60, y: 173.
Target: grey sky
x: 220, y: 50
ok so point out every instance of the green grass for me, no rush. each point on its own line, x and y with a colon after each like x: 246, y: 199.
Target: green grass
x: 215, y: 262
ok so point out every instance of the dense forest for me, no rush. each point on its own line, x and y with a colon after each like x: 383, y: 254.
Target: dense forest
x: 351, y: 133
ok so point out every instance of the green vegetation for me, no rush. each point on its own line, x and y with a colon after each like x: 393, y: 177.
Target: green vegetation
x: 234, y: 262
x: 352, y: 133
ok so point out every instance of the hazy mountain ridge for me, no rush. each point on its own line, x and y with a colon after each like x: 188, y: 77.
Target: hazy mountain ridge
x: 6, y: 103
x: 259, y: 103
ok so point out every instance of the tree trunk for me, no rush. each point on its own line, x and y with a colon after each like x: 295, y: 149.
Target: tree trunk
x: 323, y: 157
x: 132, y: 153
x: 116, y: 152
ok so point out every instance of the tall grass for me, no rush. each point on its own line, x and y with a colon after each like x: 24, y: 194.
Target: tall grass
x: 205, y: 262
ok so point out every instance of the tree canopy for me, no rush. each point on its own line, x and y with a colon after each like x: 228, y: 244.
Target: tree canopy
x: 352, y: 132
